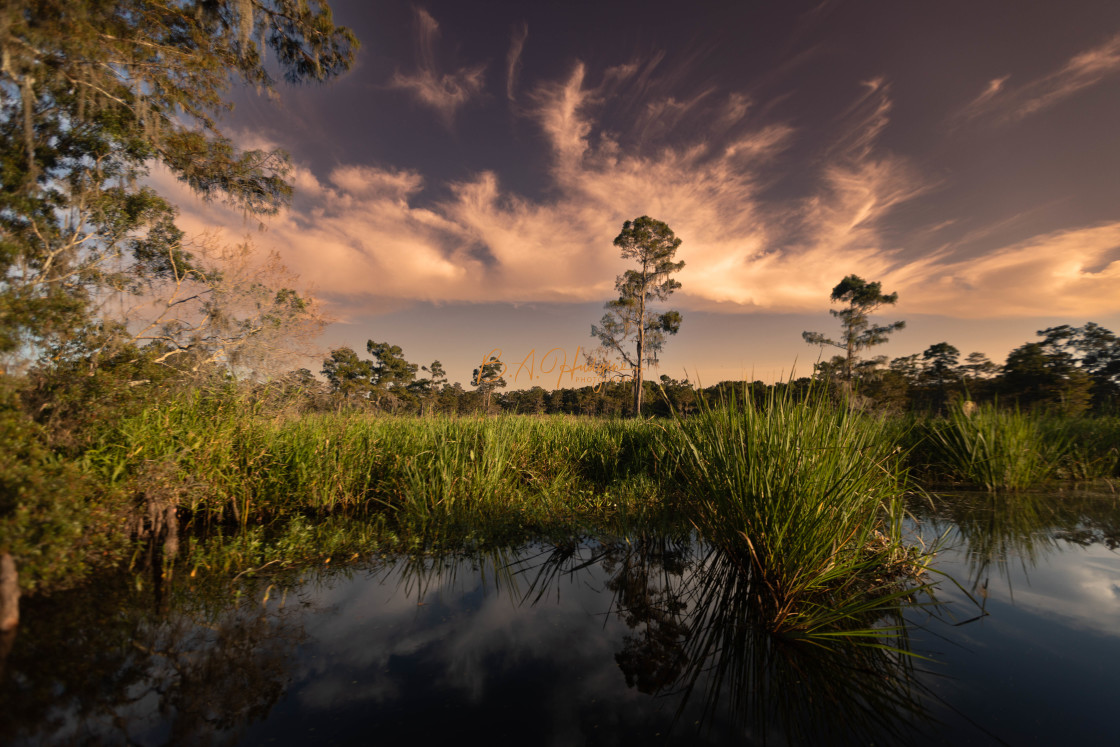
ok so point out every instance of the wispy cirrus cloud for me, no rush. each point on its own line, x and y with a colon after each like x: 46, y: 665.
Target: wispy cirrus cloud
x: 513, y: 57
x: 446, y: 93
x: 1008, y: 103
x: 372, y: 235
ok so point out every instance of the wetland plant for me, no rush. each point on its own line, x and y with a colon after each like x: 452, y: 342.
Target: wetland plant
x: 994, y: 448
x: 806, y: 496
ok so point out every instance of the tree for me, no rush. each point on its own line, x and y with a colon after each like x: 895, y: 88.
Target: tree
x: 628, y: 320
x: 349, y: 376
x: 392, y: 374
x: 1096, y: 351
x: 427, y: 389
x: 94, y: 93
x: 679, y: 395
x: 229, y: 308
x: 941, y: 362
x: 488, y: 377
x: 857, y: 332
x: 1034, y: 376
x: 977, y: 367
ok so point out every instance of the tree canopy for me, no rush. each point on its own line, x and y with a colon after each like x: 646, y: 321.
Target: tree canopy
x: 97, y: 91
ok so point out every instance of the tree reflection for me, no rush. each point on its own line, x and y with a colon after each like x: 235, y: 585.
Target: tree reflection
x: 699, y: 636
x: 999, y: 528
x: 644, y: 577
x: 112, y: 664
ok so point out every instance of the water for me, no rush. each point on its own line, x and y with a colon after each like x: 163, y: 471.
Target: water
x: 646, y: 641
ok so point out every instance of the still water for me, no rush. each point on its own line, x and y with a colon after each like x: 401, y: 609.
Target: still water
x: 642, y: 640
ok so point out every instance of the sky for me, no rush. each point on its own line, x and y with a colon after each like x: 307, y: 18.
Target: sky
x: 459, y: 190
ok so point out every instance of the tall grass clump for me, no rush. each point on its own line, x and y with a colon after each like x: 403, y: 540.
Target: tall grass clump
x: 994, y: 448
x: 807, y: 496
x: 1092, y: 446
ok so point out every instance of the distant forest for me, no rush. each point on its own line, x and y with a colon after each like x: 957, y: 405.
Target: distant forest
x: 1070, y: 370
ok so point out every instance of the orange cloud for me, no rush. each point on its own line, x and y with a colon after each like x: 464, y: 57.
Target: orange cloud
x: 444, y: 92
x: 368, y: 232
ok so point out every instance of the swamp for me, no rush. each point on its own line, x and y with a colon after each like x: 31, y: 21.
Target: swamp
x: 647, y: 639
x: 775, y: 571
x: 242, y: 501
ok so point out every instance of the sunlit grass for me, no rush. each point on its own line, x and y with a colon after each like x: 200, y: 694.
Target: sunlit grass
x: 806, y: 495
x: 226, y: 461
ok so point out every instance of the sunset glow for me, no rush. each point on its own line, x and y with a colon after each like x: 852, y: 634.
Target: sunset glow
x: 459, y: 190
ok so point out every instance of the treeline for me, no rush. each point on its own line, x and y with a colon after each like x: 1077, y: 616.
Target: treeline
x: 387, y: 382
x: 1070, y: 371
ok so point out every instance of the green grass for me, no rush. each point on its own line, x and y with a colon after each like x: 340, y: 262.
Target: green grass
x: 226, y: 461
x: 806, y: 495
x: 1092, y: 446
x: 994, y: 448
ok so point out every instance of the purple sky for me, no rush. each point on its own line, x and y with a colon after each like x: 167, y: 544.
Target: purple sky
x: 460, y: 189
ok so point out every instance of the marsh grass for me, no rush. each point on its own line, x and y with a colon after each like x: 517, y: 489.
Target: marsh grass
x: 993, y: 448
x: 1092, y: 446
x: 806, y: 496
x: 225, y: 461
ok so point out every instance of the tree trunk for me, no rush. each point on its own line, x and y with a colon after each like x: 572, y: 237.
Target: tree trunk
x: 641, y: 349
x: 9, y: 594
x: 638, y: 376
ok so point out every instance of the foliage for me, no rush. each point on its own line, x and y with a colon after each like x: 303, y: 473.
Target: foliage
x: 1096, y: 353
x: 95, y: 94
x: 993, y: 448
x: 228, y: 310
x: 50, y: 519
x: 487, y: 378
x: 857, y: 332
x: 1034, y: 378
x: 628, y: 320
x: 427, y: 389
x: 348, y: 375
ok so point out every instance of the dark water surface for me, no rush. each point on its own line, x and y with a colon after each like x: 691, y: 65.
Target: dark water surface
x: 639, y: 641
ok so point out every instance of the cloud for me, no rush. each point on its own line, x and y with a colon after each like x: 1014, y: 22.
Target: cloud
x: 446, y: 93
x: 558, y: 112
x: 513, y: 58
x: 1008, y: 103
x: 1076, y: 272
x: 368, y: 233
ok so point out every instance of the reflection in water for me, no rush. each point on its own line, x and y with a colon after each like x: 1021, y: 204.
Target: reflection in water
x: 113, y: 665
x: 1000, y: 528
x: 699, y: 629
x: 583, y: 641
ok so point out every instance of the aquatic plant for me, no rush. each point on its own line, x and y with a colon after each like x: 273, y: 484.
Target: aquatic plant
x: 805, y: 495
x: 1092, y: 446
x: 994, y: 448
x: 223, y: 459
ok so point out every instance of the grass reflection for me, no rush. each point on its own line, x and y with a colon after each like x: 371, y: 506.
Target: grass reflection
x: 998, y: 529
x: 700, y: 633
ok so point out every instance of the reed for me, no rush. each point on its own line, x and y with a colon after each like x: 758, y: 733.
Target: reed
x: 805, y: 494
x: 1092, y: 446
x: 222, y: 459
x: 993, y: 448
